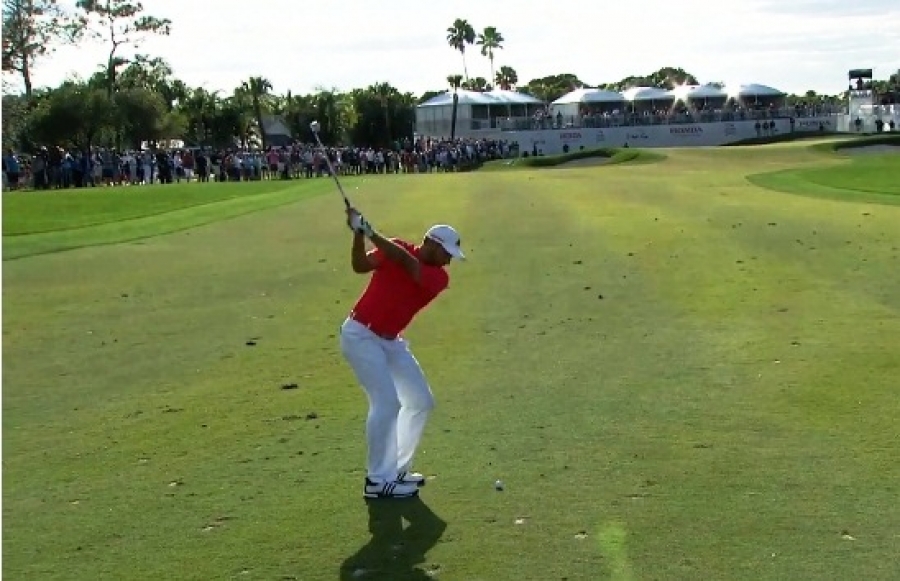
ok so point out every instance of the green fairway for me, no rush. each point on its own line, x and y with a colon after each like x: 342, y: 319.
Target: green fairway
x: 679, y: 369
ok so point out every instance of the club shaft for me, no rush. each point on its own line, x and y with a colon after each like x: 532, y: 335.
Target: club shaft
x: 331, y: 169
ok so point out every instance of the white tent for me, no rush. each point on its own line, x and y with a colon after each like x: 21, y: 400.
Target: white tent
x: 697, y: 92
x: 501, y: 96
x: 588, y: 95
x: 752, y: 90
x: 475, y: 111
x: 465, y: 98
x: 646, y: 94
x: 570, y: 103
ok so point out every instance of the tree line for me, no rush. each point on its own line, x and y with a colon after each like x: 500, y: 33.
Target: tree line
x: 136, y: 98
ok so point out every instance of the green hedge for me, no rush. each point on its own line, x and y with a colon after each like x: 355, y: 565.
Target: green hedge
x: 551, y: 160
x: 613, y: 155
x: 783, y: 137
x: 861, y: 141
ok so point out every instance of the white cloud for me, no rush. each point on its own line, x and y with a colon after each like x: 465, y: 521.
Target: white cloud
x: 795, y: 46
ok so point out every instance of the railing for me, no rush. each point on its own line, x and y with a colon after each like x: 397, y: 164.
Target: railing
x: 604, y: 120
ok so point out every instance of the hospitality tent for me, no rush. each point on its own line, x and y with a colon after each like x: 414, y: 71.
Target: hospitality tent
x: 756, y: 94
x: 571, y: 103
x: 652, y: 96
x: 705, y: 94
x: 475, y: 110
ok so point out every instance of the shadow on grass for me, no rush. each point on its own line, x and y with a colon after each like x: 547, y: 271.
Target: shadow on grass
x: 608, y: 155
x: 857, y: 141
x: 393, y: 552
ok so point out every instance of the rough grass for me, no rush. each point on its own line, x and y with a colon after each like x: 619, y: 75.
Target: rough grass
x: 676, y: 373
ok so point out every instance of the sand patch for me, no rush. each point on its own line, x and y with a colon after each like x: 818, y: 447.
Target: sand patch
x: 584, y: 162
x: 871, y: 150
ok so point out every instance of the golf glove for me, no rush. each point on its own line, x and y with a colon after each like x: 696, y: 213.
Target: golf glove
x: 359, y: 224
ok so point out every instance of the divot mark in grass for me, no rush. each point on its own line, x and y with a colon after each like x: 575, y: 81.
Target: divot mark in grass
x: 218, y: 522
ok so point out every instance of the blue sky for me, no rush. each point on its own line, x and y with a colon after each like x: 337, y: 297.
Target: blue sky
x: 793, y: 45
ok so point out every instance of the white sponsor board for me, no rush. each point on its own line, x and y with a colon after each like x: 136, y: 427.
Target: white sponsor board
x: 550, y: 142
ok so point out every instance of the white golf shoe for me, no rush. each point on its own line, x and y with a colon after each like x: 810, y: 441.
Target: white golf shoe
x: 394, y: 489
x: 411, y: 478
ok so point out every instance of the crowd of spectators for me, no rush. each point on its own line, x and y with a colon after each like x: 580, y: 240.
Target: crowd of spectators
x: 61, y: 168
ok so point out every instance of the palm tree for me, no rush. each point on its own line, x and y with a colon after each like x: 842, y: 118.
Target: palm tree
x: 327, y: 110
x: 458, y: 36
x: 257, y: 88
x: 200, y: 108
x: 489, y: 41
x: 385, y: 93
x: 479, y: 84
x: 506, y: 78
x: 455, y: 82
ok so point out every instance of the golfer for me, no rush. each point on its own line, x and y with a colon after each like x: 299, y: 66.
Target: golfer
x: 405, y: 278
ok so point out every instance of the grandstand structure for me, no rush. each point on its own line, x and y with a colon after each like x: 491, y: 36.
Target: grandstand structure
x: 698, y: 115
x: 866, y: 107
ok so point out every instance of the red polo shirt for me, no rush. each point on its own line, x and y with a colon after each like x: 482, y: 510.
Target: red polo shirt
x: 393, y: 298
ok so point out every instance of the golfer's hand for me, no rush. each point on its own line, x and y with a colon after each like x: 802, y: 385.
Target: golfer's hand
x: 358, y: 223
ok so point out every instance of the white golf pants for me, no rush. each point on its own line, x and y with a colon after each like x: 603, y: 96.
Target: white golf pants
x: 400, y: 398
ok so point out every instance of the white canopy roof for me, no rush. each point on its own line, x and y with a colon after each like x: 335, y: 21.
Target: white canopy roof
x: 646, y: 94
x: 465, y: 98
x: 588, y: 95
x: 752, y: 90
x: 495, y: 97
x: 513, y: 97
x: 698, y: 92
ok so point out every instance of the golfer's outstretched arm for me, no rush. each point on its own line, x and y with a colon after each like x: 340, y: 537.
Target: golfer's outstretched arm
x: 363, y: 262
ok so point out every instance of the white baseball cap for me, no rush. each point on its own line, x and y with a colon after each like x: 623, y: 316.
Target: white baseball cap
x: 448, y: 238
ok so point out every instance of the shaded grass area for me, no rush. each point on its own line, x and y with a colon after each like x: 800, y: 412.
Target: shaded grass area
x: 783, y: 138
x: 837, y: 145
x: 612, y: 156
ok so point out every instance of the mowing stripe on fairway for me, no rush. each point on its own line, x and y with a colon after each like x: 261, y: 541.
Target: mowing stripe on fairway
x: 25, y: 245
x: 43, y: 211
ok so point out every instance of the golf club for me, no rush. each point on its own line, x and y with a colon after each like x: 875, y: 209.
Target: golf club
x: 315, y: 129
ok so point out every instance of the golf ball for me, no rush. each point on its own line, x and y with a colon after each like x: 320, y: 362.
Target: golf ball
x: 498, y: 485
